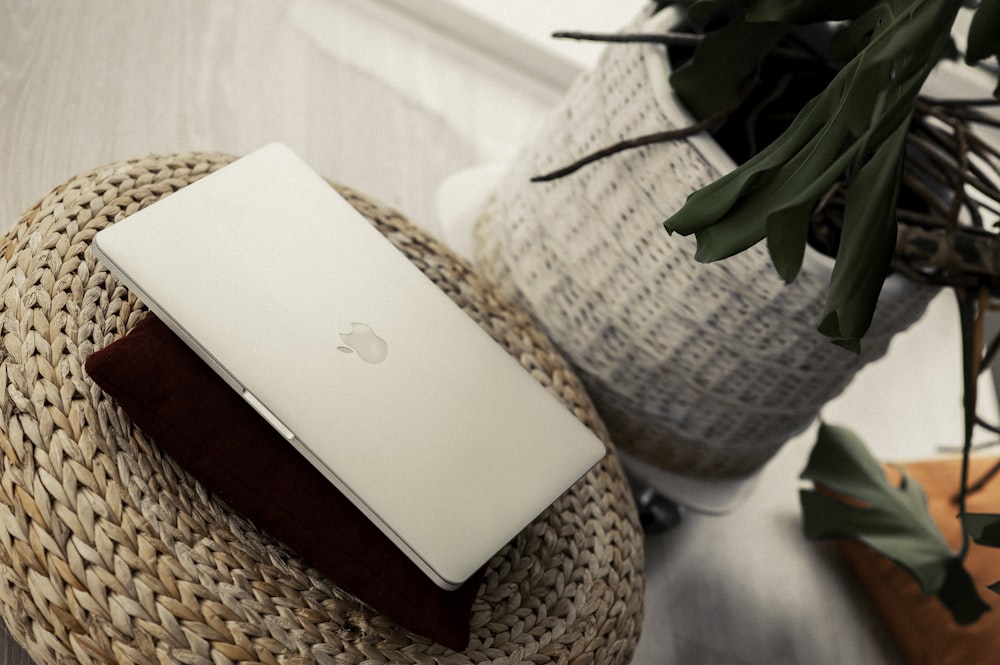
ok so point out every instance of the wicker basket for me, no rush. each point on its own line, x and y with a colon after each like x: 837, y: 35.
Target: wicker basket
x: 110, y: 552
x: 699, y: 369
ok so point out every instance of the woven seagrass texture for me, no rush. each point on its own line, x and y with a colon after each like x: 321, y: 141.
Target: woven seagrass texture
x: 700, y: 369
x: 109, y: 552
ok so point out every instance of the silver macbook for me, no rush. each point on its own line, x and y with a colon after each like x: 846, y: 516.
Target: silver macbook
x: 352, y: 354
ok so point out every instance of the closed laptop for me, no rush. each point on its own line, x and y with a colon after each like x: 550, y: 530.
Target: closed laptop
x: 351, y: 353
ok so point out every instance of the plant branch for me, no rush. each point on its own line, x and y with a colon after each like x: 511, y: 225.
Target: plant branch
x: 972, y: 313
x: 938, y: 149
x: 987, y: 426
x: 984, y: 479
x: 991, y: 352
x: 649, y: 139
x: 664, y: 38
x: 682, y: 39
x: 937, y: 101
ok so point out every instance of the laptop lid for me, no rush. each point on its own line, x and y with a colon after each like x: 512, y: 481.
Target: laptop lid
x: 367, y: 368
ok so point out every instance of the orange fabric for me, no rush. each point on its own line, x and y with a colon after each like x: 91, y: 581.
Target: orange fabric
x: 923, y: 628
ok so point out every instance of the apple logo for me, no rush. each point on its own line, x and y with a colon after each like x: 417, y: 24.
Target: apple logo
x: 363, y: 341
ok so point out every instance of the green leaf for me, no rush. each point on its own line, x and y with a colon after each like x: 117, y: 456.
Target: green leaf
x: 838, y: 134
x: 960, y: 596
x: 710, y: 206
x: 857, y: 501
x: 784, y: 198
x: 893, y: 520
x: 867, y: 241
x: 805, y: 12
x: 787, y: 234
x: 723, y: 62
x: 854, y: 36
x: 984, y: 32
x: 788, y: 176
x: 983, y: 528
x: 701, y: 12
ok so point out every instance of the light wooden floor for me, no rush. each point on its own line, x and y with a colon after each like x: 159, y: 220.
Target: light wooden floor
x: 393, y: 109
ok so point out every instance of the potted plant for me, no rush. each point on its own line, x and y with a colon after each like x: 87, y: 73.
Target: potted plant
x: 707, y: 369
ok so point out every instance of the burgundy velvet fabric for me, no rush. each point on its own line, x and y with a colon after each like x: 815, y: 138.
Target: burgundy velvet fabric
x: 174, y: 397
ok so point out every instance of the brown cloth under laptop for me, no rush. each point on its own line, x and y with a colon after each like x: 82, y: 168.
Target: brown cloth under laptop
x: 219, y: 439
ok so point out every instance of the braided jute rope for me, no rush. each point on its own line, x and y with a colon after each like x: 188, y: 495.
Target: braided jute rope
x: 110, y: 552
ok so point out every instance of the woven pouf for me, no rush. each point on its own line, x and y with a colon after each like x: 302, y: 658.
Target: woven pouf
x: 110, y: 552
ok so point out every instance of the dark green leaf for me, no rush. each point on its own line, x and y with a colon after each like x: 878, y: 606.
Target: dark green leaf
x: 960, y: 596
x: 984, y: 528
x: 984, y: 32
x: 857, y: 501
x: 854, y: 36
x: 710, y: 205
x: 805, y: 12
x: 893, y: 520
x: 838, y: 134
x: 788, y: 176
x: 783, y: 200
x: 701, y: 12
x: 867, y: 241
x: 837, y: 325
x: 723, y: 62
x: 781, y: 205
x: 787, y: 234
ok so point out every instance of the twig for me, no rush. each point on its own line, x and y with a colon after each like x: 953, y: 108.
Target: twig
x: 958, y: 185
x: 937, y: 101
x: 688, y: 39
x: 972, y: 313
x: 963, y: 109
x: 987, y: 426
x: 991, y: 352
x: 979, y: 144
x: 649, y: 139
x: 940, y: 148
x: 664, y: 38
x: 984, y: 479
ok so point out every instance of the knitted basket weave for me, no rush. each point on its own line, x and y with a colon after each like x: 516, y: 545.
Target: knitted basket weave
x: 109, y: 552
x: 699, y: 369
